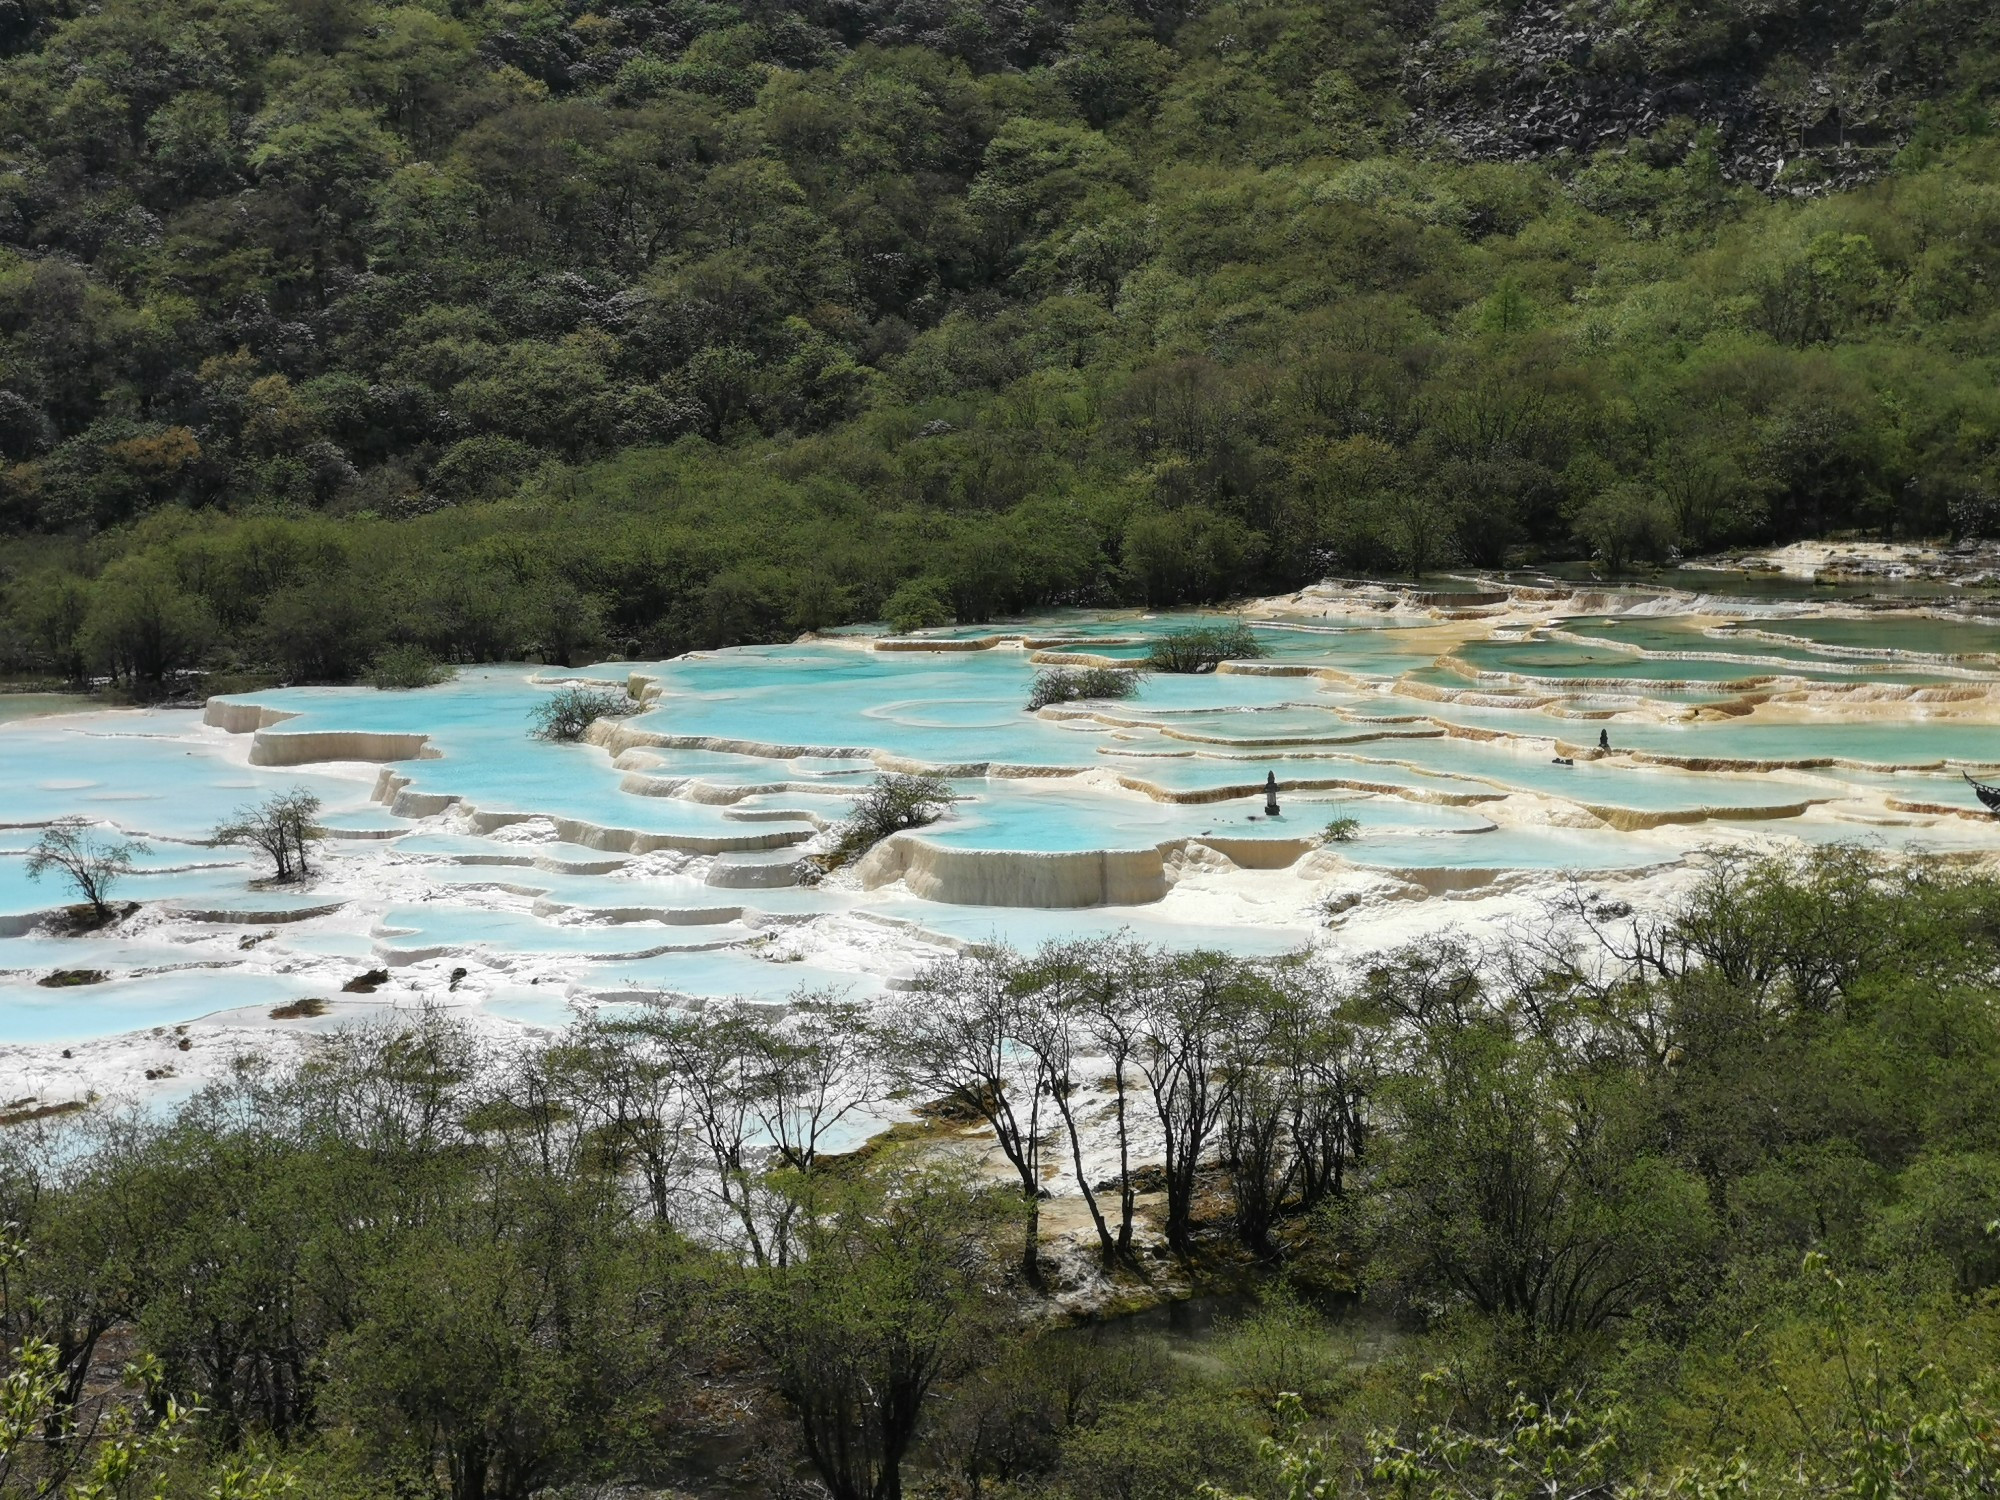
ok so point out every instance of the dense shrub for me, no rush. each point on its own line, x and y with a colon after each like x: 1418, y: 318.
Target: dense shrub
x: 402, y: 667
x: 568, y: 711
x: 891, y: 805
x: 1073, y: 684
x: 1202, y: 648
x: 919, y: 604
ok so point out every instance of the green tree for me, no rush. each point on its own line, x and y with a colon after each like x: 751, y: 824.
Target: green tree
x: 889, y: 1295
x: 1190, y: 556
x: 53, y: 610
x: 1520, y: 1181
x: 321, y: 631
x: 918, y: 604
x: 143, y: 625
x: 503, y: 1343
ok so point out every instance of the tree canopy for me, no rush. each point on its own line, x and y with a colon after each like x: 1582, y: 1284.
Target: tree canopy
x: 526, y: 326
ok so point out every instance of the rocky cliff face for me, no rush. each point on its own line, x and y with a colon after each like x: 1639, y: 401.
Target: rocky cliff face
x: 1794, y: 98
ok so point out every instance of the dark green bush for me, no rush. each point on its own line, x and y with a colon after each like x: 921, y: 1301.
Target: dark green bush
x: 567, y: 712
x: 408, y: 667
x: 919, y: 604
x: 1073, y: 684
x: 1202, y: 648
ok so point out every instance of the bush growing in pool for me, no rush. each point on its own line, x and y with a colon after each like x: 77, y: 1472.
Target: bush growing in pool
x: 90, y: 861
x: 891, y: 805
x: 1071, y: 684
x: 1202, y: 648
x: 408, y: 667
x: 567, y: 712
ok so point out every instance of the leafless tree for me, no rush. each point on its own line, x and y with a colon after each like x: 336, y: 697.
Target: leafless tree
x: 91, y: 862
x: 809, y: 1072
x: 957, y: 1038
x: 709, y: 1054
x: 629, y: 1088
x: 285, y: 828
x: 1189, y: 1015
x: 1057, y: 990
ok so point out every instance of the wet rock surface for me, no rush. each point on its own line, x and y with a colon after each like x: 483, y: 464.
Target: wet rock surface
x: 1548, y: 80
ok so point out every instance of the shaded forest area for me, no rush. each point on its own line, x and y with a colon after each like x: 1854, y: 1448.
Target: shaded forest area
x: 498, y: 328
x: 1700, y: 1206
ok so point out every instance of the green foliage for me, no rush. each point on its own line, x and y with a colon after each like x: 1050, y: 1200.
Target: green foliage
x: 1342, y: 828
x: 50, y: 1446
x: 1152, y: 1450
x: 1528, y: 1184
x: 1009, y: 1422
x: 1908, y: 1431
x: 39, y: 1451
x: 1625, y: 525
x: 894, y: 803
x: 143, y: 626
x: 889, y: 1293
x: 918, y: 604
x: 1699, y: 1204
x: 51, y: 612
x: 567, y: 712
x: 501, y: 1346
x: 651, y: 333
x: 1560, y: 1449
x: 1071, y: 684
x: 407, y: 667
x: 327, y: 631
x: 1202, y: 648
x: 1285, y: 1351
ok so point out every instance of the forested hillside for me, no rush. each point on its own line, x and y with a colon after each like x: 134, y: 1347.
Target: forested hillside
x: 493, y: 328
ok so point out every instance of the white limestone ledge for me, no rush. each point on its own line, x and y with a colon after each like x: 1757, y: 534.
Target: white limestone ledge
x: 256, y: 916
x: 395, y: 792
x: 271, y: 746
x: 1054, y: 879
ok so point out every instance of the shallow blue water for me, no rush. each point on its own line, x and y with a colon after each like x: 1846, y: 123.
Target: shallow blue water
x: 746, y: 744
x: 141, y: 771
x: 32, y: 1013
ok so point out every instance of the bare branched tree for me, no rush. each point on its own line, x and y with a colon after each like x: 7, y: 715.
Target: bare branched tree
x: 1056, y: 991
x: 957, y: 1039
x: 285, y: 828
x: 91, y: 862
x: 1190, y: 1016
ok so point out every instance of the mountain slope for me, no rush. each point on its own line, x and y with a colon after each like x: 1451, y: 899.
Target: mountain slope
x: 485, y: 325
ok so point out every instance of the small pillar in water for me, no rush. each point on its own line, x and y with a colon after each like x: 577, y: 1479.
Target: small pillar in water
x: 1270, y: 794
x: 1604, y: 740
